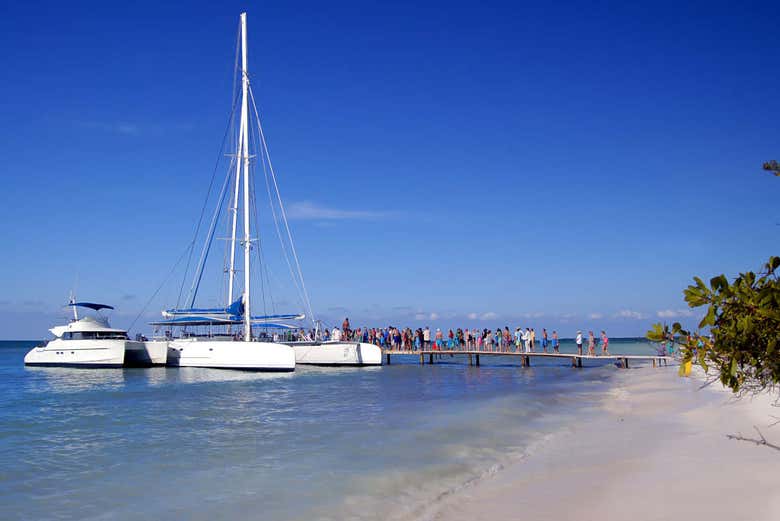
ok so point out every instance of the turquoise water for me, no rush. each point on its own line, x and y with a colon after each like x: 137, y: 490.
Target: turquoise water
x: 320, y: 443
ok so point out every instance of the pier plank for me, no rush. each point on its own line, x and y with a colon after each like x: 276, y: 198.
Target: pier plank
x: 525, y: 358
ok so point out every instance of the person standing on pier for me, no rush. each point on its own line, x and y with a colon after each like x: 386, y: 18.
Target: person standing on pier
x: 527, y: 340
x: 555, y: 341
x: 345, y: 328
x: 544, y: 340
x: 427, y: 338
x: 661, y: 350
x: 518, y: 340
x: 604, y: 343
x: 533, y: 340
x: 578, y: 340
x: 591, y: 344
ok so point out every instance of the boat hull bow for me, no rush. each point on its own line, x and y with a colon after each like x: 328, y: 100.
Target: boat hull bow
x: 337, y: 353
x: 78, y: 353
x: 231, y: 354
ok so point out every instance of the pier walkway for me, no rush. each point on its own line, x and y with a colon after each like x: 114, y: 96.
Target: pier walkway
x: 525, y: 358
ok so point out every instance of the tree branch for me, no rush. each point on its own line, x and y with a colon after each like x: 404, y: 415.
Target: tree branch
x: 760, y: 441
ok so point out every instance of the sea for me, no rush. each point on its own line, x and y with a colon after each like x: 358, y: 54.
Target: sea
x: 388, y: 442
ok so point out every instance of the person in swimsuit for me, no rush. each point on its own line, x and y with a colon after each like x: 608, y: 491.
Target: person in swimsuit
x: 604, y: 343
x: 544, y: 339
x: 555, y: 341
x: 591, y: 344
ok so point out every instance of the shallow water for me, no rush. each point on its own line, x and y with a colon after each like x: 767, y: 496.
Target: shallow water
x: 320, y: 443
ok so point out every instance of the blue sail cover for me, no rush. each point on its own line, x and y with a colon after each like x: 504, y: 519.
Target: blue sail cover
x: 91, y: 305
x: 231, y: 315
x: 197, y: 321
x: 236, y: 308
x: 211, y: 321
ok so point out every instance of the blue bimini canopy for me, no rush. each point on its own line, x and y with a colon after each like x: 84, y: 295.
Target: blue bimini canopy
x: 274, y: 325
x: 91, y: 305
x: 291, y: 316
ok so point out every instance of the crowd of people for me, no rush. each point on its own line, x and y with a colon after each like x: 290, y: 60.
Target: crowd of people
x: 500, y: 340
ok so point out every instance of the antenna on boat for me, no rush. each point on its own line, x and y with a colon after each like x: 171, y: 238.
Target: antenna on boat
x: 71, y: 303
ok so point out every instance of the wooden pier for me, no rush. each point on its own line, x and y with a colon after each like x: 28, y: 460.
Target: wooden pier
x: 473, y: 356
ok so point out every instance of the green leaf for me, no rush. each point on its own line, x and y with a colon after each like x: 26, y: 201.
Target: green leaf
x: 709, y: 318
x: 703, y: 360
x: 656, y: 333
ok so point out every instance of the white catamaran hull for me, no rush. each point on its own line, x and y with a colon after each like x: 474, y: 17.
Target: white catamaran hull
x: 146, y: 353
x: 337, y: 353
x: 78, y: 353
x: 231, y: 354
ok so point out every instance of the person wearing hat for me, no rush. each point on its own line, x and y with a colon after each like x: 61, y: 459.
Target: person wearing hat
x: 579, y: 342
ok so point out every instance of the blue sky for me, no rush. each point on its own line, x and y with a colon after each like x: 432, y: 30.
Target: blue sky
x: 568, y: 166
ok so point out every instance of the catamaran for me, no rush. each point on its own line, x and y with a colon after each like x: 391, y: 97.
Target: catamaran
x: 217, y: 350
x: 90, y: 341
x: 232, y: 347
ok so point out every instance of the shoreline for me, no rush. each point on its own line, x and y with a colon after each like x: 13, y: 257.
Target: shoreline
x: 658, y: 450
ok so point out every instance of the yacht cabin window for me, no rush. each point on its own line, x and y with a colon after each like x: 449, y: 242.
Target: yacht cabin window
x: 94, y: 335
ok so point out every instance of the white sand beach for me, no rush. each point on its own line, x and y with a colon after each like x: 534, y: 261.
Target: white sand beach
x: 658, y: 452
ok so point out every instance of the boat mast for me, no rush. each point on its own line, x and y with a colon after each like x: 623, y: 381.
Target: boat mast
x: 245, y: 158
x: 234, y: 210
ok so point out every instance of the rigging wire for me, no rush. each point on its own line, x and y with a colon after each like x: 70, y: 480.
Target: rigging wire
x: 165, y: 280
x: 209, y: 239
x: 307, y: 301
x: 272, y: 204
x: 265, y: 269
x: 213, y: 174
